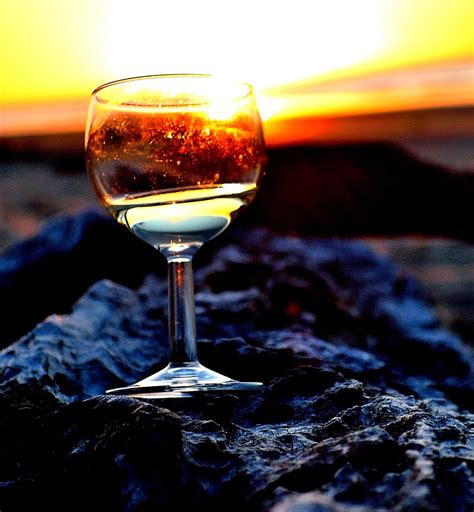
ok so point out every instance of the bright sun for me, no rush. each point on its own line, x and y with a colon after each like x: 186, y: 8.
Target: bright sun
x: 54, y: 50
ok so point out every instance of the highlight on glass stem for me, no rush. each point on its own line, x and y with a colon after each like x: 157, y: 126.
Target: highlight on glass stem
x: 175, y: 158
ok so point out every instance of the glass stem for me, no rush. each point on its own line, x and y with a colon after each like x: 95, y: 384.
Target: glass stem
x: 181, y: 316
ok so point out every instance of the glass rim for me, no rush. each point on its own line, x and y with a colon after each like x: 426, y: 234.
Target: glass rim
x: 95, y: 93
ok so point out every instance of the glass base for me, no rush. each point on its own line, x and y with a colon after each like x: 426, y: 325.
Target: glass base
x: 183, y: 381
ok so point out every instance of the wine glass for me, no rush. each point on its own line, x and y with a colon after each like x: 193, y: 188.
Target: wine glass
x: 175, y: 158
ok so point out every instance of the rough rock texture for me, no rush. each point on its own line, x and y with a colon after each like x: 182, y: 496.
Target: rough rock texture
x: 366, y: 400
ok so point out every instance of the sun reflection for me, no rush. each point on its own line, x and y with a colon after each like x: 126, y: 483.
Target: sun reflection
x: 174, y: 213
x: 221, y: 111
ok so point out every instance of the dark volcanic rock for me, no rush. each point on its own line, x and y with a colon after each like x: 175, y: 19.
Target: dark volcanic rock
x: 34, y: 272
x: 365, y: 406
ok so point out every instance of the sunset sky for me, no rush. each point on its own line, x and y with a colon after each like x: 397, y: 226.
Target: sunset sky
x: 304, y: 57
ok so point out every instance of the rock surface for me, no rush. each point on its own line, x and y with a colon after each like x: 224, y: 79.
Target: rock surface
x: 366, y: 399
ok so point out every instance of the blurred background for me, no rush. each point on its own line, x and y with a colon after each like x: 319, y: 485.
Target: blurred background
x: 368, y: 109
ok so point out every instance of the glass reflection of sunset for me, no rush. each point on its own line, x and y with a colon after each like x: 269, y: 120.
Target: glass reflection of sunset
x: 305, y: 58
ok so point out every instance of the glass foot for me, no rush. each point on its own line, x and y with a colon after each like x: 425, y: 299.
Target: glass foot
x: 182, y: 381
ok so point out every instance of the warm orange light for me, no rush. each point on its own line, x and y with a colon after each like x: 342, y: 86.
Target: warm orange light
x: 54, y: 50
x: 449, y: 84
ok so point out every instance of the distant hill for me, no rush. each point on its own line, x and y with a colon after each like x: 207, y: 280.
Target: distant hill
x: 373, y: 188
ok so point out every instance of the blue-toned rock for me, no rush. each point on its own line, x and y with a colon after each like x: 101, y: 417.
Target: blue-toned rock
x: 366, y: 399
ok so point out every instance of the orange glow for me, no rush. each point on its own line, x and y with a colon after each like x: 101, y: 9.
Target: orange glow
x: 305, y: 57
x: 440, y: 85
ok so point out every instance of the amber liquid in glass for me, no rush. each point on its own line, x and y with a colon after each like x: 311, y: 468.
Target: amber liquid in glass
x: 174, y: 178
